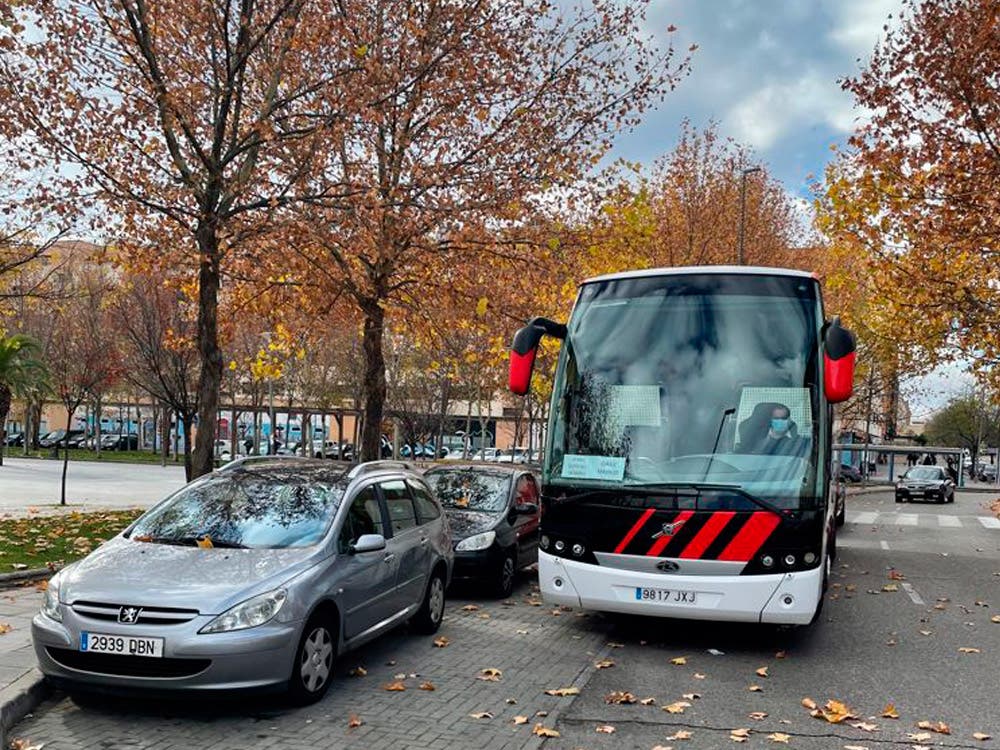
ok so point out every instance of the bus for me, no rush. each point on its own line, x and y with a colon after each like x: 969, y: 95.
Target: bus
x: 687, y: 468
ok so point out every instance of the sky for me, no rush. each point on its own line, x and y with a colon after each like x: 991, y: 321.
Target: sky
x: 767, y: 72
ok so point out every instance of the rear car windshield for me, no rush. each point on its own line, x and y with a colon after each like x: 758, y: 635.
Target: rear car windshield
x: 924, y: 472
x: 245, y: 509
x: 470, y: 489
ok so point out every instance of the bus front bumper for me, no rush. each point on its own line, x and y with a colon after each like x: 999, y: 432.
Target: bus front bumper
x: 780, y: 598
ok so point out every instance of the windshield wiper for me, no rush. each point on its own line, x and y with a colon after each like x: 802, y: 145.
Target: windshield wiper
x: 190, y: 541
x: 700, y: 486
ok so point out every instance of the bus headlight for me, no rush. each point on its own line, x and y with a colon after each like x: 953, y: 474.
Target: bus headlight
x: 789, y: 560
x: 578, y: 550
x: 544, y: 542
x: 767, y: 561
x: 560, y: 545
x: 809, y: 558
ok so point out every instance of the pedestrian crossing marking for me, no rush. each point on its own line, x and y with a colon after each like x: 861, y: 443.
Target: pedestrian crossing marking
x: 868, y: 518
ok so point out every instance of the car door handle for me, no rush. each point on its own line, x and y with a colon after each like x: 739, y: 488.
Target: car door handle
x: 423, y: 541
x: 389, y: 557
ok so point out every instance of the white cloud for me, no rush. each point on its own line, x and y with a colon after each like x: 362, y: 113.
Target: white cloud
x: 765, y: 115
x: 858, y: 24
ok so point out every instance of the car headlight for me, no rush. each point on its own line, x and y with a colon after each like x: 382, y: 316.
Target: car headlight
x: 477, y: 541
x: 50, y: 604
x: 249, y: 614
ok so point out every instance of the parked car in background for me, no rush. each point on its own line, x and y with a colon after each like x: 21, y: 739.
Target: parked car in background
x: 14, y: 439
x: 925, y: 482
x: 119, y: 442
x: 256, y: 576
x: 58, y: 437
x: 494, y: 514
x: 486, y: 454
x: 849, y: 473
x: 987, y: 473
x: 324, y: 448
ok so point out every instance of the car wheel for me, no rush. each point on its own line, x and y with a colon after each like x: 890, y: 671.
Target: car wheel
x: 942, y: 499
x: 312, y: 669
x: 431, y: 612
x: 899, y: 499
x: 505, y: 575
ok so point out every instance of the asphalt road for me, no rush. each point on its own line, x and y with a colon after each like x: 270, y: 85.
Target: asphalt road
x: 871, y: 647
x: 37, y: 482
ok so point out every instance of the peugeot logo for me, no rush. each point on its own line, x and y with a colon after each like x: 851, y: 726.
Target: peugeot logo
x: 668, y: 566
x: 669, y: 529
x: 129, y: 614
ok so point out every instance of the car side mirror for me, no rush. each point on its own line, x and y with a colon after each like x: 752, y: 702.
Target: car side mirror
x: 899, y: 477
x: 839, y: 346
x: 368, y: 543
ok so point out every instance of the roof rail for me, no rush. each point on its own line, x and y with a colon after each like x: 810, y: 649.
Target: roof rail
x: 244, y: 460
x: 381, y: 465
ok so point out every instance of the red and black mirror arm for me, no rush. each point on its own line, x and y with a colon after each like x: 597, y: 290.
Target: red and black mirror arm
x: 524, y: 348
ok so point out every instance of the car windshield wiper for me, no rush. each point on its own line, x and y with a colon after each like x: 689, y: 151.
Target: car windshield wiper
x: 700, y: 486
x: 189, y: 541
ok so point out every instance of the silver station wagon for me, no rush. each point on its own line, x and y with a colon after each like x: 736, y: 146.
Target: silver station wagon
x: 254, y: 577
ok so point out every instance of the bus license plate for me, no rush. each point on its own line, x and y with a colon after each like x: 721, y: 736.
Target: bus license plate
x: 664, y: 596
x: 129, y: 645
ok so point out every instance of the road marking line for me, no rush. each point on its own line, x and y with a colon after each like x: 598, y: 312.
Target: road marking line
x: 912, y: 593
x: 989, y: 522
x: 884, y: 545
x: 906, y: 519
x: 865, y: 517
x: 952, y: 521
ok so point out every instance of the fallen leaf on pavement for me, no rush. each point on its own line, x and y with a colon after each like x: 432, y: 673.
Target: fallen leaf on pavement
x: 427, y: 686
x: 890, y: 587
x: 895, y: 575
x: 919, y: 736
x: 354, y: 721
x: 940, y: 727
x: 739, y: 735
x: 762, y: 672
x: 20, y: 744
x: 967, y: 650
x: 865, y: 726
x: 544, y: 731
x: 612, y: 644
x: 995, y: 618
x: 699, y: 676
x: 5, y: 627
x: 42, y: 586
x: 755, y: 689
x: 563, y: 692
x: 691, y: 696
x: 441, y: 642
x: 605, y: 729
x: 394, y: 687
x: 604, y: 664
x: 679, y: 661
x: 925, y: 632
x: 481, y: 715
x: 758, y: 715
x: 470, y: 608
x: 680, y: 734
x: 520, y: 719
x: 980, y: 736
x: 647, y: 701
x: 780, y: 655
x: 358, y: 672
x: 779, y: 737
x: 890, y: 712
x: 855, y: 747
x: 619, y: 697
x: 677, y: 707
x: 490, y: 674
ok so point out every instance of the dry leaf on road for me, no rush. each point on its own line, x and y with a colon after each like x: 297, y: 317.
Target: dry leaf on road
x: 755, y: 689
x: 865, y: 726
x: 647, y: 701
x: 890, y: 712
x: 619, y: 697
x: 981, y: 736
x: 481, y: 715
x: 967, y: 650
x: 470, y: 608
x: 490, y: 674
x: 779, y: 737
x: 394, y: 687
x: 605, y: 729
x: 680, y: 734
x: 677, y: 707
x: 604, y: 664
x: 739, y: 735
x: 563, y: 692
x: 919, y: 736
x: 441, y: 642
x: 691, y: 696
x: 679, y: 661
x: 940, y: 727
x: 758, y: 715
x: 520, y: 719
x: 762, y: 672
x: 698, y: 676
x: 358, y: 672
x: 543, y: 731
x: 354, y: 721
x: 5, y: 627
x: 427, y: 686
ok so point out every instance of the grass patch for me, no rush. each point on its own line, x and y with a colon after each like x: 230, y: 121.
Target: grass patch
x: 37, y: 541
x: 80, y: 454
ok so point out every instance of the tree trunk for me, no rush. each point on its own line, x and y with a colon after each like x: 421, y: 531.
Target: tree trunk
x: 5, y: 399
x: 69, y: 425
x: 374, y: 380
x: 210, y: 377
x: 97, y: 426
x: 186, y: 420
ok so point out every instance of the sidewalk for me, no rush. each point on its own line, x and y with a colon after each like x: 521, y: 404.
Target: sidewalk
x: 21, y: 688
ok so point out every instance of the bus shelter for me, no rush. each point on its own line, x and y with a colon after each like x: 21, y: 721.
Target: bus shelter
x: 868, y: 457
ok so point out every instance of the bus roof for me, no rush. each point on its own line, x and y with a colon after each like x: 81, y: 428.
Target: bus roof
x: 693, y: 270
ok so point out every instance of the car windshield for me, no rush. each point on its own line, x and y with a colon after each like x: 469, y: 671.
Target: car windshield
x: 692, y: 379
x: 925, y: 472
x: 471, y: 489
x: 245, y: 508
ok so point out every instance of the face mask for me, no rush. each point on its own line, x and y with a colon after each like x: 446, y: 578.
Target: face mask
x: 779, y: 425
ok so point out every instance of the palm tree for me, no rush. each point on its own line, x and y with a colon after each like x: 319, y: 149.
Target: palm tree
x: 21, y: 372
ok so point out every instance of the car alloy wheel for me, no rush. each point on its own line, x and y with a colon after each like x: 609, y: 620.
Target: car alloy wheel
x: 435, y: 600
x: 505, y: 576
x: 316, y: 659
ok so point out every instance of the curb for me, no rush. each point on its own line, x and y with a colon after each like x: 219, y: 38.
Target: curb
x: 19, y: 699
x: 870, y: 489
x: 24, y: 576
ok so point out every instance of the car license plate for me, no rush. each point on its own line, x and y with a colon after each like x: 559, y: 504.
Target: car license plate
x: 664, y: 596
x: 129, y: 645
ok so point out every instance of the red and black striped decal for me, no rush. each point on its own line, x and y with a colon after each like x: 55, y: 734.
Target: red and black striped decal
x: 718, y: 535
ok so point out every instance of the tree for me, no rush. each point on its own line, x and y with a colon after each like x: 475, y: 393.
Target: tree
x: 194, y: 120
x: 917, y: 195
x: 21, y: 372
x: 969, y: 422
x: 471, y: 113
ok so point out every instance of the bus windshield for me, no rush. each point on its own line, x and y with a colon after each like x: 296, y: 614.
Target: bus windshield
x: 700, y: 379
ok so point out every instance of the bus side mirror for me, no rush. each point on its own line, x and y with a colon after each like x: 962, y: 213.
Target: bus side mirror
x: 839, y: 348
x: 525, y: 347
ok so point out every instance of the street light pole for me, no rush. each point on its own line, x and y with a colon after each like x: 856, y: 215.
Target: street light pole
x: 743, y: 209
